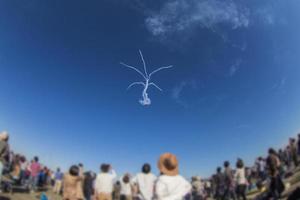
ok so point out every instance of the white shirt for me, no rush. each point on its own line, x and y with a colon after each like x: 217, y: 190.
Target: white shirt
x: 172, y: 187
x: 145, y: 183
x: 240, y: 176
x: 125, y: 188
x: 104, y: 182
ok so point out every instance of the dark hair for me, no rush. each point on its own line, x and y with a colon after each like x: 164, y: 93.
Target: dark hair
x: 80, y: 165
x: 219, y: 169
x: 74, y: 170
x: 239, y: 163
x: 105, y: 168
x: 272, y: 151
x: 22, y: 159
x: 146, y: 169
x: 126, y: 178
x: 226, y: 164
x: 36, y: 159
x: 58, y: 169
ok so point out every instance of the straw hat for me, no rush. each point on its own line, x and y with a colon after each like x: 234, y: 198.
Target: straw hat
x: 168, y: 164
x: 4, y: 135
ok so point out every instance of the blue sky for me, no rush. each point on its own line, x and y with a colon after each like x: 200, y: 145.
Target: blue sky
x: 233, y: 91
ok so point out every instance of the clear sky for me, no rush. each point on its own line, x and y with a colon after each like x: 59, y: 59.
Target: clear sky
x: 233, y: 91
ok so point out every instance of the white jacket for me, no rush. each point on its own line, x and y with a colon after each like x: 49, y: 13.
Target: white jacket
x: 145, y: 183
x: 172, y: 188
x: 104, y: 182
x: 240, y: 176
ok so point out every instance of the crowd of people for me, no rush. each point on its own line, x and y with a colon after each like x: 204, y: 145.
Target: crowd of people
x: 266, y: 175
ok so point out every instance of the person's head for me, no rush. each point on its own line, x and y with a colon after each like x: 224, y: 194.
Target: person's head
x: 126, y: 178
x: 226, y: 164
x: 58, y: 169
x: 298, y: 135
x: 105, y: 168
x: 146, y: 169
x: 80, y: 165
x: 219, y: 169
x: 272, y: 151
x: 239, y: 163
x: 4, y: 136
x: 168, y: 164
x: 36, y: 159
x: 23, y: 159
x: 74, y: 170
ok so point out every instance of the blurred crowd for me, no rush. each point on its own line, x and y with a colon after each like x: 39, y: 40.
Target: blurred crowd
x: 266, y: 175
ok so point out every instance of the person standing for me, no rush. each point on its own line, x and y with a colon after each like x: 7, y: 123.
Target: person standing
x: 241, y: 180
x: 88, y: 182
x: 72, y: 184
x: 198, y: 192
x: 126, y: 190
x: 35, y: 169
x: 261, y: 168
x: 58, y: 177
x: 170, y: 185
x: 276, y: 186
x: 229, y: 192
x: 219, y: 182
x: 145, y: 183
x: 4, y: 151
x: 294, y: 153
x: 104, y: 183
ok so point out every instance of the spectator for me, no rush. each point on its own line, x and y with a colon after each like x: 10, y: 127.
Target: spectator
x: 170, y: 185
x: 104, y: 182
x: 241, y: 180
x: 145, y: 182
x: 35, y: 169
x: 229, y: 182
x: 4, y: 152
x: 126, y: 190
x: 58, y: 178
x: 219, y: 184
x: 294, y: 153
x: 88, y: 189
x: 198, y: 192
x: 276, y: 185
x: 72, y: 182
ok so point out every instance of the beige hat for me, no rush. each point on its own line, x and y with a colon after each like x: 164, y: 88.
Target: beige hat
x: 168, y: 164
x: 4, y: 135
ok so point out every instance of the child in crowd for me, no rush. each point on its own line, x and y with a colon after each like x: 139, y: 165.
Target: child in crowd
x: 126, y: 190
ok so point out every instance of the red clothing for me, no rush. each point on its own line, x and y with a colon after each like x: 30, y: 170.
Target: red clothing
x: 35, y: 169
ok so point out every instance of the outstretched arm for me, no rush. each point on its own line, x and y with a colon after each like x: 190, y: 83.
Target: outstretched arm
x: 135, y: 69
x: 159, y: 69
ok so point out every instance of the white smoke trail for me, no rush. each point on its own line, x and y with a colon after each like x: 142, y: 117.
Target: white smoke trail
x: 145, y: 101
